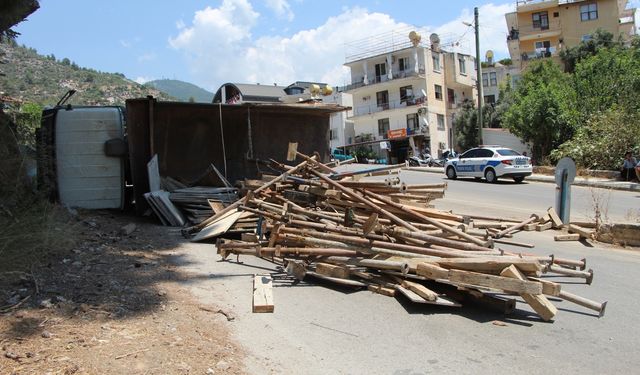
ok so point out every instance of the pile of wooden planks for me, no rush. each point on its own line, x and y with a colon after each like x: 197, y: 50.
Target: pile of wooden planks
x: 381, y: 235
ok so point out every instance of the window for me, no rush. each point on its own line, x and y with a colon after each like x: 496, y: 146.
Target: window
x: 589, y: 12
x: 333, y: 135
x: 484, y: 153
x: 382, y: 99
x: 406, y: 94
x: 412, y: 121
x: 463, y: 65
x: 403, y: 64
x: 381, y: 70
x: 493, y: 79
x: 383, y: 127
x: 473, y: 153
x: 543, y: 48
x: 436, y: 61
x: 586, y: 37
x: 540, y: 20
x: 440, y: 122
x: 489, y: 99
x: 485, y: 80
x: 438, y: 91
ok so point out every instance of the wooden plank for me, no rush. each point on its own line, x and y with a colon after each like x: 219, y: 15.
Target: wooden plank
x: 530, y: 227
x: 495, y: 282
x: 567, y: 237
x: 153, y: 173
x: 432, y: 271
x: 262, y: 294
x: 215, y: 205
x: 491, y: 264
x: 555, y: 219
x: 332, y: 270
x: 337, y: 280
x: 538, y: 302
x: 415, y: 298
x: 218, y: 227
x: 376, y: 288
x: 548, y: 287
x: 545, y: 226
x: 586, y: 233
x: 420, y: 290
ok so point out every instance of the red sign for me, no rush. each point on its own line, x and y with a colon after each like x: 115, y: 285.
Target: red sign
x: 397, y: 133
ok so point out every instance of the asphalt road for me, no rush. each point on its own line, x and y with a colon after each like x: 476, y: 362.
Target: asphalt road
x: 322, y: 330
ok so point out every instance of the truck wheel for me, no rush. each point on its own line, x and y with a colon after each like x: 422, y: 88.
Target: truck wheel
x: 490, y: 176
x: 451, y: 173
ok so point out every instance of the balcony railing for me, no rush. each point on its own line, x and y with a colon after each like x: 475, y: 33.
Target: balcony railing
x: 359, y: 81
x: 375, y: 107
x: 527, y: 29
x: 540, y: 53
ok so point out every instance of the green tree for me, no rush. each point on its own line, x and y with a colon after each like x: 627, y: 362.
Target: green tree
x: 599, y: 39
x: 27, y: 120
x: 66, y: 61
x: 466, y: 126
x: 542, y: 108
x: 12, y: 13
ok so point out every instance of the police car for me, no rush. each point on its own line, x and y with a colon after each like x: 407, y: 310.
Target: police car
x: 490, y: 162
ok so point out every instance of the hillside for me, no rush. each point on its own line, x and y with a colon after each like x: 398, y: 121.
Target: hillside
x: 181, y: 90
x: 30, y: 77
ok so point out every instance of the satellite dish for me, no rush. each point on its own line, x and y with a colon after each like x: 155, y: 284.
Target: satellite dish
x: 314, y: 89
x: 327, y: 90
x: 434, y: 38
x: 489, y: 54
x: 415, y: 38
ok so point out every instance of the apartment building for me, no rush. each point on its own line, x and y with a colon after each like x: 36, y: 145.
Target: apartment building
x: 542, y: 28
x: 406, y: 94
x: 495, y: 75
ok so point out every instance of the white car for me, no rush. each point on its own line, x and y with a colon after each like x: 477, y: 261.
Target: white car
x: 490, y: 162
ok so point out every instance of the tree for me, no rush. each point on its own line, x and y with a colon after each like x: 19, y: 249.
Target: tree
x: 542, y: 108
x: 466, y: 126
x: 27, y: 120
x: 12, y: 12
x: 599, y: 39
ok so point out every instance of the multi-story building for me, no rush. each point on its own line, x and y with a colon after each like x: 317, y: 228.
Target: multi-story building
x: 405, y: 96
x: 542, y: 28
x: 494, y: 76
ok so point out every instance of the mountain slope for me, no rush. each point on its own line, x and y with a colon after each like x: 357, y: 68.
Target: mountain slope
x: 182, y: 90
x: 30, y: 77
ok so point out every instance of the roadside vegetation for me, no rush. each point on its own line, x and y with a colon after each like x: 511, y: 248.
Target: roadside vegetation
x: 589, y: 111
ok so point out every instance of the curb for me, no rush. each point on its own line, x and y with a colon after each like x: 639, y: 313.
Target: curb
x: 579, y: 181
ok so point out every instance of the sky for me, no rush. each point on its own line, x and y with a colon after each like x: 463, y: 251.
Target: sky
x: 209, y: 43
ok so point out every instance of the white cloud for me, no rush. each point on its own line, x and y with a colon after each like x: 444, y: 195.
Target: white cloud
x: 180, y: 24
x: 281, y: 8
x: 220, y: 48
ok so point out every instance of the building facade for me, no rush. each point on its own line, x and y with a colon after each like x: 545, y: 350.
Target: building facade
x: 542, y: 28
x: 404, y: 99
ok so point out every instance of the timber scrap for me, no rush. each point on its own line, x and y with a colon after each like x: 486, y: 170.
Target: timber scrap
x: 382, y: 235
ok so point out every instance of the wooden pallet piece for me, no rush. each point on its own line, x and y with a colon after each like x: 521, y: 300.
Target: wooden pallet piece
x: 545, y: 226
x: 567, y: 237
x: 555, y: 219
x: 263, y: 294
x: 538, y: 302
x: 495, y: 282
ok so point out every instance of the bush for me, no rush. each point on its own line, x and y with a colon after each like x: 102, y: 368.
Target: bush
x: 602, y: 142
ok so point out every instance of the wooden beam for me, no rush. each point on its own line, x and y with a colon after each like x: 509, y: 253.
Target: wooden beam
x: 420, y: 290
x: 545, y: 226
x: 567, y: 237
x: 555, y: 219
x: 538, y: 302
x: 495, y: 282
x: 262, y: 294
x: 332, y: 270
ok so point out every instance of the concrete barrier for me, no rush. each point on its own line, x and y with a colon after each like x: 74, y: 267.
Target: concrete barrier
x: 622, y: 234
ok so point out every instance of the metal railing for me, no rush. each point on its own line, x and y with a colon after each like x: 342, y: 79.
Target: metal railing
x: 540, y: 53
x: 375, y: 107
x: 359, y: 81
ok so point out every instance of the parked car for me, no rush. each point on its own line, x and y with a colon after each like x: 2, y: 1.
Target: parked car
x: 338, y: 154
x: 490, y: 162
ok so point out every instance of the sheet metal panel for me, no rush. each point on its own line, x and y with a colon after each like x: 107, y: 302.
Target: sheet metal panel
x: 86, y: 177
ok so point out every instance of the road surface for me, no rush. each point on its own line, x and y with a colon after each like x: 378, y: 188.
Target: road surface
x: 322, y: 330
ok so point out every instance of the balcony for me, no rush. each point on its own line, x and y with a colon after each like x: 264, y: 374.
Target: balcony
x: 394, y: 104
x: 540, y: 53
x: 359, y: 81
x: 529, y: 31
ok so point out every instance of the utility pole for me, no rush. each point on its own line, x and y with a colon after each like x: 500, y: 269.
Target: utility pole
x: 479, y: 71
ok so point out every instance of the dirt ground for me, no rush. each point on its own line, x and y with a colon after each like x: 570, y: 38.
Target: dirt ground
x: 112, y: 303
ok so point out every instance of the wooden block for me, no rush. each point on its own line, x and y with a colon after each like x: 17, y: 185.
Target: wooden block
x: 432, y: 271
x: 248, y: 237
x: 262, y: 294
x: 555, y: 219
x: 530, y: 227
x: 332, y: 270
x: 491, y: 264
x: 583, y: 232
x: 389, y: 292
x: 538, y: 302
x: 495, y: 282
x: 334, y: 194
x: 420, y: 290
x: 548, y: 287
x: 567, y: 237
x: 545, y: 226
x: 296, y: 269
x: 544, y: 219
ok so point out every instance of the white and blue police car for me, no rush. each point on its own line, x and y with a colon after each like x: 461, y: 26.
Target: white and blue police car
x: 490, y: 162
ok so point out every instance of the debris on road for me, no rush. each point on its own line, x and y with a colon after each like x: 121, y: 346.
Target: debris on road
x: 384, y: 236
